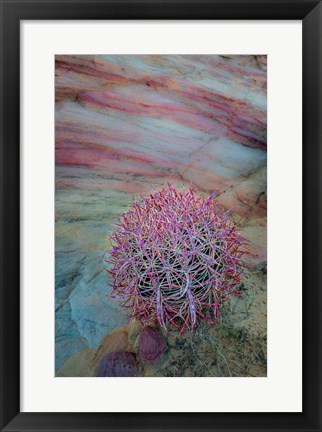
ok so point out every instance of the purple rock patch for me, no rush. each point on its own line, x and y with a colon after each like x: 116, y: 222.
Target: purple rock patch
x: 118, y: 364
x: 151, y: 344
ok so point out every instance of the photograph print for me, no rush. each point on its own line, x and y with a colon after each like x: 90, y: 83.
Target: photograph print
x: 160, y: 216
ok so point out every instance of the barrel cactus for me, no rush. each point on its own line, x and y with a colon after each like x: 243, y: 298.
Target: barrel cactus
x: 175, y: 258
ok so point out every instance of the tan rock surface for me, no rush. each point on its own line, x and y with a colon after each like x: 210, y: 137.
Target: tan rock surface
x: 78, y: 365
x: 116, y: 341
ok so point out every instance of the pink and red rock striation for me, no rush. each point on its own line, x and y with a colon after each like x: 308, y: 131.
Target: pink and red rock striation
x: 144, y: 121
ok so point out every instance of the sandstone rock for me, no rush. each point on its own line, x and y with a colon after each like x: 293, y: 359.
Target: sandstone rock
x: 92, y: 308
x: 118, y: 364
x: 249, y: 197
x: 151, y: 344
x: 134, y: 327
x: 257, y: 257
x: 116, y: 341
x: 78, y: 365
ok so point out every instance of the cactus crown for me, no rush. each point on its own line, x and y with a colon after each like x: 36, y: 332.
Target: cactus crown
x: 176, y: 258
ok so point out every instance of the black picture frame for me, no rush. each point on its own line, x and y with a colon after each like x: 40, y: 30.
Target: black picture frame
x: 12, y: 12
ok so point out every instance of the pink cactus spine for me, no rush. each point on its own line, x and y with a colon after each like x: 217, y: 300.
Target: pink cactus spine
x: 176, y: 258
